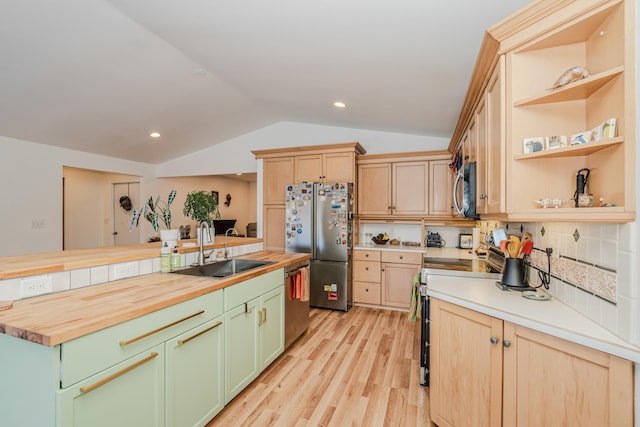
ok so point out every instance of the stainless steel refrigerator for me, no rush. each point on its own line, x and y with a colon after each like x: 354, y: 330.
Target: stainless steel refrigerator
x: 319, y: 221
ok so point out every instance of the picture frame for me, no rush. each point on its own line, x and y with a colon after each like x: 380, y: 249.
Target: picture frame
x: 609, y: 129
x: 216, y: 196
x: 556, y: 141
x: 596, y: 133
x: 532, y: 145
x: 580, y: 138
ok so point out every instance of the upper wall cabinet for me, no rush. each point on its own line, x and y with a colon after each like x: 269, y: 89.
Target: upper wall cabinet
x: 328, y: 167
x: 405, y: 184
x: 558, y: 122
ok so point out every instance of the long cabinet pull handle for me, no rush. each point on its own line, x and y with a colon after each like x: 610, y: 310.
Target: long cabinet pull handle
x: 186, y: 340
x: 264, y: 310
x: 138, y: 338
x: 260, y: 318
x: 111, y: 377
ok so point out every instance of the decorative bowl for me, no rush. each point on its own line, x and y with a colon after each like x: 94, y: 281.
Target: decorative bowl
x: 379, y: 241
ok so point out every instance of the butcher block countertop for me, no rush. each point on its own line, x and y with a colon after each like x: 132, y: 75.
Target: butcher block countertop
x: 59, y: 317
x: 53, y: 262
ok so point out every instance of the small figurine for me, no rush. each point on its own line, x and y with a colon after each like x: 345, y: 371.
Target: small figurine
x: 571, y: 75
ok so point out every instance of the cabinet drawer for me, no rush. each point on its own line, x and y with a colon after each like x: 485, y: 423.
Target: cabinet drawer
x: 366, y: 271
x: 402, y: 257
x: 243, y: 292
x: 366, y: 255
x: 92, y: 353
x: 366, y: 292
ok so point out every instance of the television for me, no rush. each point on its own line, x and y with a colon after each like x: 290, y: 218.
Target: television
x: 222, y: 225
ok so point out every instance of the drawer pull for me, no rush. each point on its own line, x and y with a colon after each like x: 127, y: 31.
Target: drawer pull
x: 138, y: 338
x: 401, y: 257
x: 184, y: 341
x: 366, y: 255
x: 260, y: 318
x: 264, y: 310
x: 366, y: 268
x: 94, y: 386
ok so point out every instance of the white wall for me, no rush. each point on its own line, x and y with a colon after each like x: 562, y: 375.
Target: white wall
x: 32, y: 191
x: 235, y: 155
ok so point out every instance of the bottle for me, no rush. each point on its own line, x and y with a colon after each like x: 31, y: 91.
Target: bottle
x: 175, y: 259
x: 165, y: 258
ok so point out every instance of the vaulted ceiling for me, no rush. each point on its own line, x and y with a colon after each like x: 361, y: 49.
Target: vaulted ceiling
x: 100, y: 76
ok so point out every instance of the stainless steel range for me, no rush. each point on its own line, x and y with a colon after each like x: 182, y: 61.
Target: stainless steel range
x: 488, y: 268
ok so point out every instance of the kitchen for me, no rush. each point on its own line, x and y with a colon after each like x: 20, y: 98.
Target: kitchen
x: 38, y: 166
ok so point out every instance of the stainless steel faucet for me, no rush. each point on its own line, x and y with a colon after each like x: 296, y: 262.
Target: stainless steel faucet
x: 226, y: 236
x: 203, y: 225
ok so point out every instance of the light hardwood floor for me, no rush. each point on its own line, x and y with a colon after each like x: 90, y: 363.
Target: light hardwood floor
x: 358, y: 368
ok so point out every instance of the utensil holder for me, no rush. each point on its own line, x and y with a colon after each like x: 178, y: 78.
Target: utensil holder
x: 514, y: 273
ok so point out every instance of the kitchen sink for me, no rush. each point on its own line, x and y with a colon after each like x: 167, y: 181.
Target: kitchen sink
x: 223, y: 268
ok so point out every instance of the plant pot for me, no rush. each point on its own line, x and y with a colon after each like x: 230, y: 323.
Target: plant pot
x: 170, y: 236
x: 208, y: 237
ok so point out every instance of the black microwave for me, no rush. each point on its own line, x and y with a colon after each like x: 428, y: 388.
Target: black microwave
x: 464, y: 191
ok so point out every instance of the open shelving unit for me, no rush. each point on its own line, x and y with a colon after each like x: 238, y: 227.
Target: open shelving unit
x: 599, y: 36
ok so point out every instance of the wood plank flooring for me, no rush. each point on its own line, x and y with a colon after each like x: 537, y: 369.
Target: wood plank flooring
x: 358, y: 368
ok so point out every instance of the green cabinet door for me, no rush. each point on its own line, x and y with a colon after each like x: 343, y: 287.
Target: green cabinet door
x: 130, y: 393
x: 242, y: 347
x: 272, y: 327
x: 195, y: 375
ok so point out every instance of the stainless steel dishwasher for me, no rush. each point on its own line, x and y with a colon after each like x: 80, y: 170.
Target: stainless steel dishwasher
x: 296, y: 303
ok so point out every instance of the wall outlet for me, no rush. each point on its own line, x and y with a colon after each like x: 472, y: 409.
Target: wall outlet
x: 120, y: 271
x: 32, y: 286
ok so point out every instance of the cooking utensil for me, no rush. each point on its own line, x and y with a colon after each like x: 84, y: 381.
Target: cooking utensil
x: 513, y: 249
x: 503, y: 247
x: 526, y: 249
x: 526, y: 237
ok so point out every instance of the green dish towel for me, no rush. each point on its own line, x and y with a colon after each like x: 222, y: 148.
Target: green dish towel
x: 414, y: 307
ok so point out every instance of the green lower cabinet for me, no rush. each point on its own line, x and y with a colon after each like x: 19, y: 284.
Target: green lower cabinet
x: 272, y: 328
x: 242, y: 346
x: 130, y: 393
x: 254, y: 339
x: 195, y: 375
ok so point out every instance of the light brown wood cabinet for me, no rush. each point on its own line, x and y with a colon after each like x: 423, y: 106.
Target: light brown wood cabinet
x: 440, y: 188
x: 506, y: 374
x: 366, y: 277
x: 404, y: 184
x: 490, y: 123
x: 384, y: 278
x: 398, y: 271
x: 330, y: 167
x: 508, y: 103
x: 277, y: 173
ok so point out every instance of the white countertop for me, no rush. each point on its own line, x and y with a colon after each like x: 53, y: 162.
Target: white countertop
x: 550, y: 317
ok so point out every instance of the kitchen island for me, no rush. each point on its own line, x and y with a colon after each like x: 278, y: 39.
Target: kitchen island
x: 156, y: 349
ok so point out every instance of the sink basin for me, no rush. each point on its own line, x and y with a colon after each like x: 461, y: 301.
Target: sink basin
x: 223, y: 268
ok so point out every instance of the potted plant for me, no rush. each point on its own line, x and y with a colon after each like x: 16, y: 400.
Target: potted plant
x: 201, y: 206
x: 154, y: 211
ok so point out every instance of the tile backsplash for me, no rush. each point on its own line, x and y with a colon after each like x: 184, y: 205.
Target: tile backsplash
x: 593, y: 267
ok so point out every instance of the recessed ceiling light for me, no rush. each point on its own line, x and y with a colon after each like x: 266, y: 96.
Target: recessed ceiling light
x: 339, y: 104
x: 154, y: 135
x: 238, y: 174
